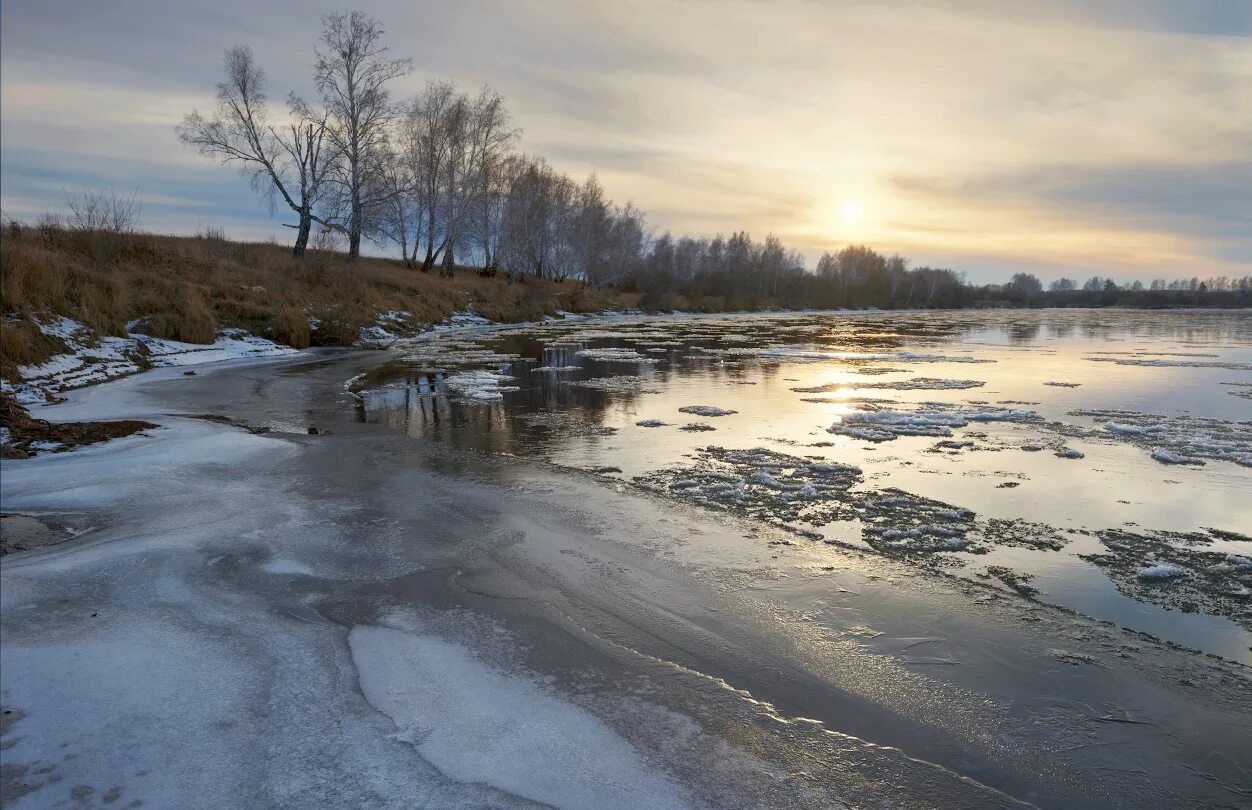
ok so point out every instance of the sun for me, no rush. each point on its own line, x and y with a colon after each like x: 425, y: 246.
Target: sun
x: 850, y: 212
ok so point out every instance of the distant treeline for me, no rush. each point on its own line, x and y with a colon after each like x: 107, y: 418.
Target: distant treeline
x: 436, y: 177
x: 737, y: 273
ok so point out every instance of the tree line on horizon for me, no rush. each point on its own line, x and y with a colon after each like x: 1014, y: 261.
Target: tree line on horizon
x: 437, y: 178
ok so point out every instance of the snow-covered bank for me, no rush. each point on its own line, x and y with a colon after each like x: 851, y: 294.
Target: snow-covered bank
x: 94, y: 359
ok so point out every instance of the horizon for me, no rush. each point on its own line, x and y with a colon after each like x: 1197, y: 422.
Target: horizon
x: 1046, y: 139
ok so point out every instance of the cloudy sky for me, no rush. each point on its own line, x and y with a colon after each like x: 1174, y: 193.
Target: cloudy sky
x: 1063, y: 137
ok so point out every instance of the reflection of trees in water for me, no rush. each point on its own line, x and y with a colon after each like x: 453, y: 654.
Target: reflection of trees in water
x: 415, y: 400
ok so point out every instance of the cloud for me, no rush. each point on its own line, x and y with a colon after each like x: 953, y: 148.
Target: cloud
x: 1109, y: 135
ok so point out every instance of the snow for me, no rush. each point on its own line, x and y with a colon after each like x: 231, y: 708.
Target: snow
x: 705, y: 410
x: 113, y: 357
x: 479, y: 725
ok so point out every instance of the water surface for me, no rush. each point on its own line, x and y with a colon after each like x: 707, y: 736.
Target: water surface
x: 1044, y: 475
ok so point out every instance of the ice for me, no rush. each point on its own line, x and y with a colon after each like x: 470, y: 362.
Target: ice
x: 1069, y: 452
x: 1169, y: 457
x: 545, y: 369
x: 925, y: 384
x: 1133, y: 430
x: 882, y: 425
x: 623, y: 384
x: 1239, y: 561
x: 479, y: 725
x: 812, y: 355
x: 650, y: 423
x: 279, y: 565
x: 1057, y: 384
x: 479, y: 385
x: 608, y: 355
x: 1161, y: 571
x: 1140, y: 361
x: 705, y: 410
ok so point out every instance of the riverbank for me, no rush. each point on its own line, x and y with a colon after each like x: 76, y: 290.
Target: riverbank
x: 352, y: 617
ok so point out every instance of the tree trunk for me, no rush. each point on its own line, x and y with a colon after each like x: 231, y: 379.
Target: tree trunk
x: 302, y: 236
x: 354, y: 245
x: 449, y: 268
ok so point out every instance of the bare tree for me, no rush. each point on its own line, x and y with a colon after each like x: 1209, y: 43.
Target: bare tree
x: 479, y: 135
x: 288, y: 161
x: 352, y: 71
x: 104, y: 212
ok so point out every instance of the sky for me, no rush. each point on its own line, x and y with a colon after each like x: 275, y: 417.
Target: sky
x: 1059, y: 137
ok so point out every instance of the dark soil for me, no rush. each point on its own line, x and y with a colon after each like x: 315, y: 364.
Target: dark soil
x: 25, y: 430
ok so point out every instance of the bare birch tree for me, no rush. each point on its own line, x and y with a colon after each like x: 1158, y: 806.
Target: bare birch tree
x: 352, y: 71
x: 288, y: 161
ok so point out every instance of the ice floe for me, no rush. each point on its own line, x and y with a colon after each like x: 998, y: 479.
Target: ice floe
x: 1156, y: 361
x: 610, y: 355
x: 479, y: 385
x: 624, y: 384
x: 705, y: 410
x: 1178, y: 438
x: 885, y: 425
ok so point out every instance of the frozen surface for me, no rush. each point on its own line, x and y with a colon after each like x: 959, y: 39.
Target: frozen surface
x: 478, y: 725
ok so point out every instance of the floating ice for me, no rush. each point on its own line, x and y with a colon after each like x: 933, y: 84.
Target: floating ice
x: 705, y: 410
x: 1161, y: 571
x: 1140, y: 361
x: 650, y: 423
x: 1169, y: 457
x: 609, y: 355
x: 479, y: 385
x: 1069, y: 452
x: 624, y: 384
x: 883, y: 425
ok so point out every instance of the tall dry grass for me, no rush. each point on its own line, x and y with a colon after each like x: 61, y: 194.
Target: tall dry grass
x: 185, y: 288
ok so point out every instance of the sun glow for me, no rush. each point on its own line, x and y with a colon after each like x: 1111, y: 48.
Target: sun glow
x: 850, y: 212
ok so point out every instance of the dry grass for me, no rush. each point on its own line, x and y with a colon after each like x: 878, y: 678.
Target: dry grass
x: 185, y: 288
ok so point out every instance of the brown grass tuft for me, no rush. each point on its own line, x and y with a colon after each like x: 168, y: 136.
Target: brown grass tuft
x: 291, y: 326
